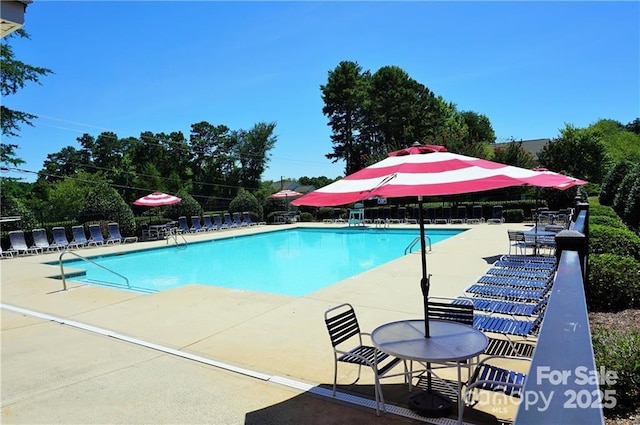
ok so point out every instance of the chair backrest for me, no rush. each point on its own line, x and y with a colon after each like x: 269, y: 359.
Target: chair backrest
x: 516, y: 235
x: 195, y: 222
x: 342, y: 323
x: 236, y: 218
x: 217, y: 220
x: 207, y: 221
x: 78, y: 234
x: 446, y: 212
x: 247, y: 217
x: 182, y: 223
x: 458, y: 312
x: 96, y: 233
x: 16, y: 237
x: 227, y: 219
x: 60, y: 236
x: 461, y: 212
x: 497, y: 211
x: 40, y: 238
x: 477, y: 211
x: 114, y: 231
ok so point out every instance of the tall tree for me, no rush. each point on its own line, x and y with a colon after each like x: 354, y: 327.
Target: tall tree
x: 252, y: 152
x: 14, y: 74
x: 344, y: 97
x: 578, y: 153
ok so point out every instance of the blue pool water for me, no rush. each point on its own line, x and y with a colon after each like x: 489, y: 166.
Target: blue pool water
x: 291, y: 262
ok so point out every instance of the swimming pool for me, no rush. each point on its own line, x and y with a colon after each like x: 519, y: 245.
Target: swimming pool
x: 291, y: 262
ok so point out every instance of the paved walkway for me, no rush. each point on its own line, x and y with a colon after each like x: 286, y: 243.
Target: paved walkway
x: 72, y: 373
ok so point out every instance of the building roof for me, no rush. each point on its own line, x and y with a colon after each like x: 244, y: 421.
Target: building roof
x: 533, y: 146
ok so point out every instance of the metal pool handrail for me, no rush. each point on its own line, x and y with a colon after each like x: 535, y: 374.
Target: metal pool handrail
x: 413, y: 243
x: 64, y: 280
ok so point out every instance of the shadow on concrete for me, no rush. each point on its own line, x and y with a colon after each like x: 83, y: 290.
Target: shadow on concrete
x: 312, y: 409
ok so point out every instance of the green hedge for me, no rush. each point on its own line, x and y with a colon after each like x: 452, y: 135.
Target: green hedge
x: 601, y: 210
x: 605, y: 239
x: 607, y: 221
x: 619, y: 352
x: 513, y: 216
x: 614, y: 283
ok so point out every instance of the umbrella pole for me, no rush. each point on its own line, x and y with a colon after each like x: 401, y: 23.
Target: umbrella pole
x: 424, y: 282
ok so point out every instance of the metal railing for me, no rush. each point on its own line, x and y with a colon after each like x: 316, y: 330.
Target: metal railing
x: 64, y: 279
x: 413, y: 243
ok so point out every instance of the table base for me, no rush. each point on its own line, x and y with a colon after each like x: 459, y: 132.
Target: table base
x: 430, y: 404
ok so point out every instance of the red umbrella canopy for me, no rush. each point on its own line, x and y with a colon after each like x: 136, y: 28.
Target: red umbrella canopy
x: 157, y: 199
x: 286, y: 193
x: 429, y: 171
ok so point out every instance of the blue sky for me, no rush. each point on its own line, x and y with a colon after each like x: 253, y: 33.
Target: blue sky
x: 129, y: 67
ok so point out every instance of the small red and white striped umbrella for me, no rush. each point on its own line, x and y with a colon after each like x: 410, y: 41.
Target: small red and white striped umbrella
x: 286, y: 193
x: 429, y: 171
x: 157, y: 199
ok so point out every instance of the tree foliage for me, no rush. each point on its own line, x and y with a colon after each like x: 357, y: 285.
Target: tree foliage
x: 104, y: 203
x: 577, y: 152
x: 14, y: 75
x: 245, y: 201
x: 373, y: 114
x: 622, y: 194
x: 612, y: 182
x: 622, y: 143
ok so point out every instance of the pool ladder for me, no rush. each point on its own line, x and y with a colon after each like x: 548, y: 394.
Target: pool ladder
x: 173, y: 234
x: 413, y: 243
x: 64, y: 280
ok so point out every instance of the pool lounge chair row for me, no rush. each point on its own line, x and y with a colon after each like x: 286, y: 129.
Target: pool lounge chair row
x: 215, y: 222
x: 41, y: 242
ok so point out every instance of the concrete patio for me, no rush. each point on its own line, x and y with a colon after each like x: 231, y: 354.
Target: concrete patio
x: 90, y: 356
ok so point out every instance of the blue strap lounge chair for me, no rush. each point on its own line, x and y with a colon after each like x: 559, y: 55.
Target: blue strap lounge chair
x: 476, y: 215
x: 40, y: 240
x: 80, y: 238
x: 526, y: 274
x: 227, y: 220
x: 510, y: 308
x: 116, y: 236
x: 247, y: 219
x: 217, y: 220
x: 196, y: 226
x: 237, y: 220
x: 496, y: 217
x: 514, y: 282
x: 60, y: 238
x: 522, y: 265
x: 182, y: 225
x: 506, y: 293
x: 528, y: 259
x: 208, y: 224
x: 95, y: 231
x: 446, y: 216
x: 461, y: 215
x: 19, y: 244
x: 507, y: 326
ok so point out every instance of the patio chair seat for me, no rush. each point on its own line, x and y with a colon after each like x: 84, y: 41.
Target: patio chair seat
x: 491, y: 377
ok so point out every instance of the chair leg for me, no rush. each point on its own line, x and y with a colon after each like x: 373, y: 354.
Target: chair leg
x: 335, y: 375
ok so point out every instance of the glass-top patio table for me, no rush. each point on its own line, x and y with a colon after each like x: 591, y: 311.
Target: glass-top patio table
x: 448, y: 342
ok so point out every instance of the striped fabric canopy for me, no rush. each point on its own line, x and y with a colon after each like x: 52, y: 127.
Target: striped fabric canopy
x: 157, y: 199
x: 286, y: 193
x: 429, y: 171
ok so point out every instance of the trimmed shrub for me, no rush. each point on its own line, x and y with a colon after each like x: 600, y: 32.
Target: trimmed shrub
x: 620, y: 200
x: 601, y: 210
x: 513, y: 216
x: 612, y: 182
x: 104, y: 204
x: 607, y: 221
x: 632, y: 208
x: 619, y: 352
x: 187, y: 207
x: 614, y: 283
x: 306, y: 217
x: 245, y: 201
x: 612, y: 240
x: 325, y: 213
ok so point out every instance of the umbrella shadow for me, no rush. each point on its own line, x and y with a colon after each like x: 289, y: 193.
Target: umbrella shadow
x: 492, y: 259
x: 311, y: 409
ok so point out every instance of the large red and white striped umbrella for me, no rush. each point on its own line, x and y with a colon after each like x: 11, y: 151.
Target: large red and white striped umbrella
x: 429, y: 171
x: 157, y: 199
